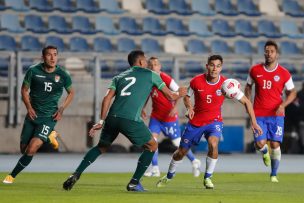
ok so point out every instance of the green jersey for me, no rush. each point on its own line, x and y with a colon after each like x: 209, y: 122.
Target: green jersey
x: 46, y: 88
x: 132, y: 88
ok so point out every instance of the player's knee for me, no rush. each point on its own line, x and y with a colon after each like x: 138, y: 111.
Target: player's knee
x: 153, y: 146
x: 179, y: 154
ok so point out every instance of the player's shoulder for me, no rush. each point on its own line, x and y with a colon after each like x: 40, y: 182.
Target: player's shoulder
x: 35, y: 67
x: 62, y: 70
x: 198, y: 77
x: 283, y: 69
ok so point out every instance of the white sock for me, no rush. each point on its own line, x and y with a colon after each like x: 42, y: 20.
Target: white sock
x: 173, y: 165
x: 276, y: 153
x: 210, y: 165
x: 264, y: 149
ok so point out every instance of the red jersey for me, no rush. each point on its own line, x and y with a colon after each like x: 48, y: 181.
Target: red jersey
x: 208, y: 100
x: 269, y: 86
x: 161, y: 106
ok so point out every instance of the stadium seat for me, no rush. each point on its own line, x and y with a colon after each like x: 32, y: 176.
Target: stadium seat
x: 202, y: 7
x: 245, y: 28
x: 133, y: 6
x: 110, y: 6
x: 106, y: 25
x: 289, y: 48
x: 292, y: 8
x: 167, y: 66
x: 290, y: 29
x: 290, y: 67
x: 4, y: 64
x: 225, y: 7
x: 79, y: 44
x: 152, y: 26
x: 7, y: 43
x: 195, y: 46
x: 128, y: 25
x: 64, y: 5
x: 179, y: 7
x: 59, y: 24
x: 199, y: 27
x: 125, y: 45
x: 103, y: 45
x: 35, y: 24
x: 242, y: 47
x: 268, y: 29
x: 222, y: 28
x: 40, y: 5
x: 220, y: 47
x: 16, y: 5
x: 157, y: 6
x: 270, y: 7
x: 30, y: 43
x: 193, y: 67
x: 10, y: 22
x: 260, y: 47
x: 174, y: 45
x: 121, y: 65
x: 150, y: 46
x: 55, y: 41
x: 82, y: 24
x: 247, y: 7
x: 175, y: 26
x: 88, y: 6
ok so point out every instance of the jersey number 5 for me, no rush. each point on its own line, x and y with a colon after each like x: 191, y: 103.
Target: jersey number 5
x: 124, y: 90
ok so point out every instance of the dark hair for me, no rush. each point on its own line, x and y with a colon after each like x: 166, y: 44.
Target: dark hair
x: 134, y: 55
x: 48, y: 47
x: 215, y: 57
x: 271, y: 43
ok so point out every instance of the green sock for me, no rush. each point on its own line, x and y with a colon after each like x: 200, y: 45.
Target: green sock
x: 89, y: 158
x: 22, y: 163
x: 142, y: 165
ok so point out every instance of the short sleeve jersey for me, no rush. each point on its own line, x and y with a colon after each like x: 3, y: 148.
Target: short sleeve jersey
x: 46, y: 88
x: 269, y: 86
x: 161, y: 106
x: 132, y: 88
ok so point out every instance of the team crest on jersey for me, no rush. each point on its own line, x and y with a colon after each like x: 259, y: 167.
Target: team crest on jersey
x: 218, y: 92
x: 57, y: 78
x: 276, y: 78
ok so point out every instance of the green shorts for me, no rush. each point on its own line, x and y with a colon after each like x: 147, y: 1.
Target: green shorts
x: 137, y: 132
x: 41, y: 127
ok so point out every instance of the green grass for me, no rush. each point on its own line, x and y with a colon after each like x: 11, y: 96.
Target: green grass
x: 109, y: 187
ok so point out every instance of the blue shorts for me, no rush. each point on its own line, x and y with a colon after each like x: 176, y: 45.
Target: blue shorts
x: 273, y: 128
x: 169, y: 129
x: 192, y: 134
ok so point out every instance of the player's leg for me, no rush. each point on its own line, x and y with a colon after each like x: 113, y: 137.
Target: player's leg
x: 260, y: 141
x: 27, y: 134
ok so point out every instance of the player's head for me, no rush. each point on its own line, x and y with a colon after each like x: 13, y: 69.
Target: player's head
x: 214, y: 66
x: 154, y: 64
x: 271, y: 52
x: 137, y: 58
x: 49, y: 56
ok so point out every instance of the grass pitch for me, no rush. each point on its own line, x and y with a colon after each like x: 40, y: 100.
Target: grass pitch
x: 111, y: 187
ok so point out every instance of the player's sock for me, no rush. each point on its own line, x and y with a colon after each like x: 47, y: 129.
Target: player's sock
x: 190, y: 155
x: 210, y: 166
x: 23, y: 162
x: 264, y: 149
x: 89, y: 158
x: 275, y: 160
x: 172, y: 168
x: 142, y: 165
x: 155, y: 159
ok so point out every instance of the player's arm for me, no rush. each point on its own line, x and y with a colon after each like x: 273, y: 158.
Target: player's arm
x: 58, y: 114
x: 248, y: 87
x: 290, y: 97
x: 188, y: 104
x: 174, y: 95
x: 174, y: 87
x: 26, y: 100
x: 143, y: 111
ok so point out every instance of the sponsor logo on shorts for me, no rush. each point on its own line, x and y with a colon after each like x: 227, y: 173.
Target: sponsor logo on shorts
x: 186, y: 141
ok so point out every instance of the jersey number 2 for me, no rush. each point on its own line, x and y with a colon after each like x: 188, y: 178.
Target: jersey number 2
x: 124, y: 90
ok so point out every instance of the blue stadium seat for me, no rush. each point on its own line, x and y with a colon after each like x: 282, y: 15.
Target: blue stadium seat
x: 167, y: 66
x: 64, y: 5
x: 82, y: 24
x: 7, y: 43
x: 199, y: 27
x: 110, y: 6
x: 290, y: 29
x: 247, y: 7
x: 17, y: 5
x: 26, y: 63
x: 35, y: 24
x: 195, y: 46
x: 30, y: 43
x: 245, y: 28
x: 222, y: 28
x: 290, y: 67
x: 59, y: 24
x: 292, y: 8
x: 41, y: 5
x: 55, y: 41
x: 125, y: 45
x: 104, y: 45
x: 202, y: 7
x: 106, y: 25
x: 4, y: 64
x: 176, y: 26
x: 87, y: 6
x: 150, y: 46
x: 152, y: 26
x: 220, y: 47
x: 128, y: 25
x: 79, y: 44
x: 10, y: 22
x: 193, y: 67
x: 243, y: 47
x: 121, y: 65
x: 289, y: 48
x: 157, y: 6
x: 225, y: 7
x: 260, y: 47
x: 268, y: 29
x: 179, y: 7
x: 240, y: 68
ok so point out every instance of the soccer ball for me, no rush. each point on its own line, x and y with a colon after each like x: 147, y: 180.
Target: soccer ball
x: 230, y: 88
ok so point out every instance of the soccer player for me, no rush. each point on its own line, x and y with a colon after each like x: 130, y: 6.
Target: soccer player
x: 41, y: 89
x: 205, y: 118
x: 270, y: 79
x: 131, y: 89
x: 164, y: 118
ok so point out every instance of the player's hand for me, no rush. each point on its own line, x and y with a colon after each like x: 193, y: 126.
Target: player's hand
x: 31, y: 113
x: 144, y: 115
x: 173, y: 112
x: 58, y: 114
x: 95, y: 127
x: 257, y: 130
x: 182, y: 91
x: 280, y: 111
x: 189, y: 114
